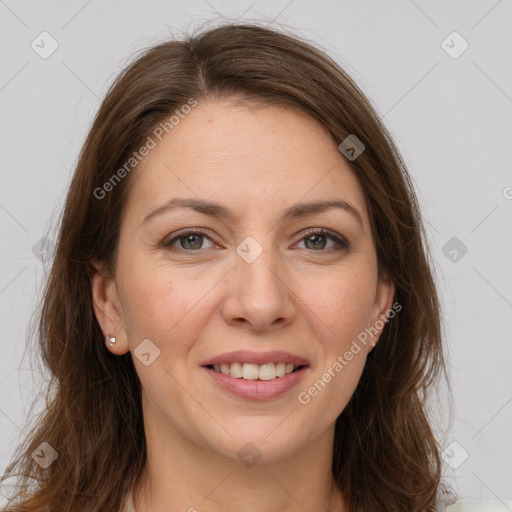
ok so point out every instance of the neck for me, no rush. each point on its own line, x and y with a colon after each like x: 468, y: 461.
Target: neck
x: 179, y: 475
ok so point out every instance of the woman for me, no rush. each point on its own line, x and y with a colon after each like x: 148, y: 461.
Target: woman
x: 241, y: 314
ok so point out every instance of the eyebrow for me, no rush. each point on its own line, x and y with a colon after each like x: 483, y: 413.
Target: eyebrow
x: 221, y: 212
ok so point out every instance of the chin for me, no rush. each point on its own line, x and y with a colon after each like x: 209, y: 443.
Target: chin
x: 261, y: 442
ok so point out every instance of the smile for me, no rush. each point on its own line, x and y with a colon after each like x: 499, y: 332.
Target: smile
x: 251, y: 371
x: 250, y: 386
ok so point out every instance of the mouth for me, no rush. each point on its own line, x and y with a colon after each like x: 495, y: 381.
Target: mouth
x: 255, y: 382
x: 256, y: 375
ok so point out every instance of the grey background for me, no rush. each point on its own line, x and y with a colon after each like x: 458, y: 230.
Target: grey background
x: 449, y: 116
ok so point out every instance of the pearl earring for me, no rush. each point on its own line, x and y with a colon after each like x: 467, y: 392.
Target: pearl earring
x: 111, y: 340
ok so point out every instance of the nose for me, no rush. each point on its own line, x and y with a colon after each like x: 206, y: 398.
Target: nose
x: 260, y: 297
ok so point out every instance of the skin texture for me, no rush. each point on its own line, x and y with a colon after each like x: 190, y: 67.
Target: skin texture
x: 193, y: 305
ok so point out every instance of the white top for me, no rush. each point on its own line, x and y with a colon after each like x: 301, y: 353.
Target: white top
x: 466, y: 505
x: 128, y: 504
x: 480, y: 506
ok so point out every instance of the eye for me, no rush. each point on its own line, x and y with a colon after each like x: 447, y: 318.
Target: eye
x: 317, y: 240
x: 188, y: 241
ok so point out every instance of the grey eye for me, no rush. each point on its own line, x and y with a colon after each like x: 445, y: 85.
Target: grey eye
x: 191, y: 242
x: 315, y: 241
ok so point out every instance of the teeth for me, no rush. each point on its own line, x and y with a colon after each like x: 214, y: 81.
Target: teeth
x: 250, y: 371
x: 236, y: 370
x: 267, y: 371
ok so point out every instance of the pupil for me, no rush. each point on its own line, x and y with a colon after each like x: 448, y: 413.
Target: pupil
x: 315, y: 239
x: 193, y: 241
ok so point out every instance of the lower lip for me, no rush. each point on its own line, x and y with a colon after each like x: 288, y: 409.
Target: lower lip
x: 257, y: 389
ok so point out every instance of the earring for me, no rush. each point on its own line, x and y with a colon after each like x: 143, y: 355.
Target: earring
x: 111, y: 340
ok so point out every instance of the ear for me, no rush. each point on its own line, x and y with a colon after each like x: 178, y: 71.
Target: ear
x: 382, y: 306
x: 107, y: 309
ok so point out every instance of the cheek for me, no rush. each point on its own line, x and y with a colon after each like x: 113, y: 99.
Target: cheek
x: 161, y: 303
x: 339, y: 305
x: 338, y: 315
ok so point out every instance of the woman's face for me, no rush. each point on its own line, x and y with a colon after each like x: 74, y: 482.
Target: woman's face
x: 244, y: 267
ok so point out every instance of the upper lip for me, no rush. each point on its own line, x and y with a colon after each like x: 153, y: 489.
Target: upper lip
x: 243, y: 356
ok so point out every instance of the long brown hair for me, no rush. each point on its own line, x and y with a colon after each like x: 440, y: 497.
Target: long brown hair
x: 386, y: 457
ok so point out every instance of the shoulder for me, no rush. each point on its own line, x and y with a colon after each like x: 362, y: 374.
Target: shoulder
x: 468, y: 505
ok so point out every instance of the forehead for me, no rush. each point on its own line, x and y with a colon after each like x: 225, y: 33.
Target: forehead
x: 267, y: 157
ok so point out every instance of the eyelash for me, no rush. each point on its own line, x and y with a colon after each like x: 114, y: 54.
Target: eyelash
x: 342, y: 243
